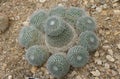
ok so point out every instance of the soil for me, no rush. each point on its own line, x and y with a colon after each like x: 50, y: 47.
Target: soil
x: 104, y: 64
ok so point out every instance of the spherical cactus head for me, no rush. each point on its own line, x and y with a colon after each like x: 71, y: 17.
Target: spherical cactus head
x: 37, y: 19
x: 62, y: 39
x: 73, y: 13
x: 36, y: 55
x: 89, y: 40
x: 58, y: 11
x: 54, y: 25
x: 85, y: 23
x: 29, y: 36
x: 77, y: 56
x: 57, y: 65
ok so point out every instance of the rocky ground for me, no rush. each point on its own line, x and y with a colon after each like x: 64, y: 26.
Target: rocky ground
x: 104, y: 64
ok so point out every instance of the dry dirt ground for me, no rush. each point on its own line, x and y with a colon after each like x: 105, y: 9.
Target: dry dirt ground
x: 104, y: 64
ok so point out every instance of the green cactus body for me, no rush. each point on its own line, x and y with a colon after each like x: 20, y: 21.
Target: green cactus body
x: 36, y: 55
x: 89, y: 40
x: 85, y: 23
x: 37, y: 19
x: 29, y: 36
x: 77, y: 56
x: 62, y: 39
x: 57, y: 65
x: 73, y: 14
x: 54, y: 25
x: 58, y: 10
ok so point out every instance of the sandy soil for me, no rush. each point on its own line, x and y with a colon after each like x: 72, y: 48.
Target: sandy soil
x: 104, y: 64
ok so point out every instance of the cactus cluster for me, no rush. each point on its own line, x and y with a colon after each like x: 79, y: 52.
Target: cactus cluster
x: 66, y: 30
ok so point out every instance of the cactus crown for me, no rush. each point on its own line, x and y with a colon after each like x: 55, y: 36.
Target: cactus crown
x: 77, y: 56
x: 54, y: 26
x: 36, y: 55
x: 29, y: 36
x: 37, y: 19
x: 57, y: 65
x: 85, y: 23
x: 58, y: 10
x: 89, y: 40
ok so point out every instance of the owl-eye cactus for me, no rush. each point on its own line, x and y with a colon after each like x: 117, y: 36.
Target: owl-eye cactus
x: 77, y: 56
x: 57, y: 65
x: 54, y: 25
x: 89, y: 40
x: 85, y: 23
x: 73, y: 13
x: 29, y: 36
x: 37, y: 19
x: 58, y: 11
x: 36, y: 55
x: 60, y: 30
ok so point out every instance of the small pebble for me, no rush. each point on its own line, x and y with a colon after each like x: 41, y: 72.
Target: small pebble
x: 42, y: 1
x: 99, y: 9
x: 110, y: 58
x: 118, y: 45
x: 110, y: 51
x: 10, y: 77
x: 117, y: 12
x: 34, y: 69
x: 96, y: 77
x: 96, y: 73
x: 78, y: 77
x: 97, y: 54
x: 98, y: 61
x: 107, y: 66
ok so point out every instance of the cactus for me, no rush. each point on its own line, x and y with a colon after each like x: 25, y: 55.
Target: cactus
x: 62, y: 39
x: 77, y: 56
x: 36, y: 55
x: 54, y: 25
x: 72, y: 14
x: 37, y: 19
x: 58, y: 10
x: 89, y: 40
x: 29, y: 36
x: 57, y: 65
x: 85, y: 23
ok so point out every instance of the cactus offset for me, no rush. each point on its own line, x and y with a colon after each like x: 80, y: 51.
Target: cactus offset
x: 57, y: 65
x: 77, y: 56
x: 36, y: 55
x: 89, y: 40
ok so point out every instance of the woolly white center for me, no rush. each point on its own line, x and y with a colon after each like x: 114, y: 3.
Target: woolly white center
x: 32, y: 57
x: 79, y: 57
x: 89, y: 21
x: 52, y: 23
x: 55, y: 68
x: 92, y: 39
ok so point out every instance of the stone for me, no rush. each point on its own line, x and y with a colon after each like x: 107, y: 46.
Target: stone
x: 117, y: 12
x: 110, y: 51
x: 96, y: 54
x: 107, y: 66
x: 98, y: 61
x: 34, y: 69
x: 78, y: 77
x: 96, y: 78
x: 118, y: 45
x: 99, y: 9
x: 96, y: 73
x: 110, y: 58
x: 10, y: 77
x: 42, y: 1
